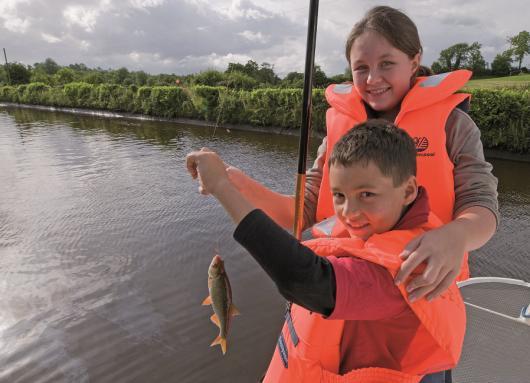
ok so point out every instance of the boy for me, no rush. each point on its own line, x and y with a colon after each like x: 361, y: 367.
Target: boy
x: 369, y: 330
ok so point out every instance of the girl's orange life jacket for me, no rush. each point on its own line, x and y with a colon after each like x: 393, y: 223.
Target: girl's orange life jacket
x: 423, y: 114
x: 309, y: 346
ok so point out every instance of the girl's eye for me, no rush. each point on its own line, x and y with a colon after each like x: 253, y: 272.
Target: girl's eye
x: 338, y: 196
x: 386, y: 64
x: 367, y: 194
x: 360, y: 68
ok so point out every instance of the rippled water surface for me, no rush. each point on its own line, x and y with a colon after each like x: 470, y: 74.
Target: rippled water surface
x: 105, y: 244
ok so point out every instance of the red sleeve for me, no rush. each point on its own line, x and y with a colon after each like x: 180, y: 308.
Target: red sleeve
x: 365, y: 291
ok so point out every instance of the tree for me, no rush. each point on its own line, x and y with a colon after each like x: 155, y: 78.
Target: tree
x: 320, y: 80
x: 3, y: 75
x: 239, y: 80
x: 79, y: 67
x: 475, y: 60
x: 235, y: 67
x: 209, y: 77
x: 451, y: 58
x: 266, y: 75
x: 520, y: 46
x: 263, y: 74
x: 64, y: 76
x: 40, y: 76
x: 436, y: 67
x: 49, y: 67
x: 293, y: 80
x: 19, y: 73
x: 120, y: 75
x: 501, y: 64
x: 94, y: 77
x: 461, y: 55
x: 340, y: 78
x: 251, y: 68
x: 140, y: 78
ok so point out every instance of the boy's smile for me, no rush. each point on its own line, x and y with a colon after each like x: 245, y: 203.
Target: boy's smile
x: 366, y: 201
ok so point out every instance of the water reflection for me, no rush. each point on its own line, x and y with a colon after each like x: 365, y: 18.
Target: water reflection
x: 105, y: 243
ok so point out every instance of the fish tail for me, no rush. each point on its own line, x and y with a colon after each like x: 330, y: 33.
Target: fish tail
x: 220, y: 341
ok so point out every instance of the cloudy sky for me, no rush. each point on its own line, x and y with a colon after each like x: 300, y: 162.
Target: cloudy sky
x: 187, y: 36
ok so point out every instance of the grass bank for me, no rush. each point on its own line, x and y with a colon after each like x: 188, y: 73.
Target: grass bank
x: 521, y: 81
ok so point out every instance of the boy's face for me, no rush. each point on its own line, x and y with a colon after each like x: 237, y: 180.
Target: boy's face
x: 366, y: 201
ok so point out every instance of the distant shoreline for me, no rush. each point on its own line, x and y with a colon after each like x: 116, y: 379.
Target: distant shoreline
x: 132, y: 116
x: 489, y: 153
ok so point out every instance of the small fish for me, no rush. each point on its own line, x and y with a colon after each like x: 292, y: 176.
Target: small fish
x: 221, y: 300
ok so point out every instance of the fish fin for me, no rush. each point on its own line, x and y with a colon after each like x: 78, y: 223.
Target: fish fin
x: 233, y: 310
x: 220, y: 341
x: 207, y: 301
x: 215, y: 319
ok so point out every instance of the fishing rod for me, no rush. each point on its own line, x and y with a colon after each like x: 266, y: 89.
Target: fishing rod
x: 306, y: 118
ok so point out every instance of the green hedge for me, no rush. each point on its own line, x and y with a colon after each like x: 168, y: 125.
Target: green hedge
x: 503, y: 116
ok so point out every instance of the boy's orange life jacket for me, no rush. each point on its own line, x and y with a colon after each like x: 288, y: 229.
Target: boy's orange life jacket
x: 309, y: 346
x: 423, y: 114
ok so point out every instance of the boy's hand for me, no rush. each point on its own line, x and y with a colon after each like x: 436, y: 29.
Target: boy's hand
x: 443, y: 252
x: 209, y: 168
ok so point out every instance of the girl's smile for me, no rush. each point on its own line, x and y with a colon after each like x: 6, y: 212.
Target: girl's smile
x: 381, y: 72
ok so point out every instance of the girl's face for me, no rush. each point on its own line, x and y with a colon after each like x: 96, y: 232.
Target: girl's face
x: 381, y: 72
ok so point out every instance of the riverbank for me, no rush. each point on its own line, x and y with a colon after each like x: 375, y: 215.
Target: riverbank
x: 489, y: 153
x: 143, y: 117
x: 502, y: 115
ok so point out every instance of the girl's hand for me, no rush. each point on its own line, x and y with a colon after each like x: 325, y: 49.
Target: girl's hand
x: 442, y: 249
x: 237, y: 177
x: 208, y: 167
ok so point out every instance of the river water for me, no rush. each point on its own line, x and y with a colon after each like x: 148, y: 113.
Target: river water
x: 105, y: 244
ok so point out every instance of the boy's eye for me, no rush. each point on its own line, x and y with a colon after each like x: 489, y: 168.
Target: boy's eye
x: 367, y: 194
x: 338, y: 196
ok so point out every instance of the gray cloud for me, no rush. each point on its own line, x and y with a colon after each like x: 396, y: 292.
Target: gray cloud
x: 185, y: 36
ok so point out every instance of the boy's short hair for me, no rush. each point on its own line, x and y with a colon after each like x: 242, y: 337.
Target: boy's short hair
x: 390, y: 148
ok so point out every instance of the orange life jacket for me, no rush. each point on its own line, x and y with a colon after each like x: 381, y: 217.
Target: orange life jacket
x: 423, y: 114
x: 308, y: 349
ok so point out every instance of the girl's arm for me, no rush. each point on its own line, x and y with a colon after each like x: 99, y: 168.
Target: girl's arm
x: 280, y: 207
x: 475, y: 219
x: 443, y: 249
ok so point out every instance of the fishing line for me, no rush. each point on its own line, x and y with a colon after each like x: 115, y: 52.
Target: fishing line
x: 221, y: 108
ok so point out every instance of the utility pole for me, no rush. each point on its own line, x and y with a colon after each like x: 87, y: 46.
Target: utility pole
x: 7, y: 68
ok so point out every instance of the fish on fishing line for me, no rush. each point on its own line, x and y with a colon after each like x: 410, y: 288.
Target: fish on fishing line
x: 220, y: 298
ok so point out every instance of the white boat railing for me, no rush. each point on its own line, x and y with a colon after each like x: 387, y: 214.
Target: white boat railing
x: 498, y: 331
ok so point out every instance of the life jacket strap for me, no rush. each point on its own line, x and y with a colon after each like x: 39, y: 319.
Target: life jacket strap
x: 282, y: 348
x: 292, y: 331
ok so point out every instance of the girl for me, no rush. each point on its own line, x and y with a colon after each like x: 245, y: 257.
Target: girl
x: 384, y: 53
